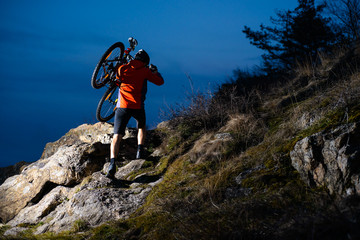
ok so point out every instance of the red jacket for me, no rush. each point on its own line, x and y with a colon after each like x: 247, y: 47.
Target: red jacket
x: 133, y: 88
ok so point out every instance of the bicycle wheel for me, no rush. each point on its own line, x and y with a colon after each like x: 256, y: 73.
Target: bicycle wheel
x: 107, y: 104
x: 105, y: 69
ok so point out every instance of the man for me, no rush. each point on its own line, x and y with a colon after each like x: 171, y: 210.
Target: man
x: 133, y: 77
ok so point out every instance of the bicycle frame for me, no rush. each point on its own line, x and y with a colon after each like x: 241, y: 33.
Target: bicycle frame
x: 107, y: 104
x: 124, y: 60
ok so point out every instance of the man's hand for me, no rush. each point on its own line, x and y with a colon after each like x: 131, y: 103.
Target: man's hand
x: 153, y: 68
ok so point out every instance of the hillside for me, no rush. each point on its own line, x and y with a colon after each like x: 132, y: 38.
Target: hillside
x: 280, y: 163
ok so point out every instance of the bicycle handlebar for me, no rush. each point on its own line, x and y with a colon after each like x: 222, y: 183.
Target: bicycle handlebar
x: 133, y: 42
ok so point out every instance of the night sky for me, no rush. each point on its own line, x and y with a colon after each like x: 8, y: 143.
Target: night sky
x: 49, y: 49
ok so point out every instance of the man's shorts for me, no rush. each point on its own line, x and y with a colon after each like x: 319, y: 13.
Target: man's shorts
x: 122, y: 117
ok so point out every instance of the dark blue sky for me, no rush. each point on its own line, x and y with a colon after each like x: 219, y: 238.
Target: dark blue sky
x: 48, y: 51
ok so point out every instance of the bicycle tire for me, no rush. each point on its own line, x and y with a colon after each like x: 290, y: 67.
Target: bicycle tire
x: 107, y: 104
x: 104, y: 70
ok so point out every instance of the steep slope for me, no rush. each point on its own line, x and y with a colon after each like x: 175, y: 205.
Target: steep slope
x: 283, y: 164
x: 68, y: 184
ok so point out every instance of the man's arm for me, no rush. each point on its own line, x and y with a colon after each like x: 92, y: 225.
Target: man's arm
x: 154, y: 76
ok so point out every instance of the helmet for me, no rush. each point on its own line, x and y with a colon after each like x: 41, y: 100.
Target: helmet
x: 142, y: 56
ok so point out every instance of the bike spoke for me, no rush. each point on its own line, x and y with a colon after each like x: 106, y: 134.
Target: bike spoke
x: 108, y: 55
x: 108, y: 97
x: 105, y: 71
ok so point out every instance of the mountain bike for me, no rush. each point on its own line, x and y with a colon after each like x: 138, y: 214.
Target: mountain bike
x: 105, y: 75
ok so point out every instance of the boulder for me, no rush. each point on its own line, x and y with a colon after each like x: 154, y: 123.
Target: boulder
x: 68, y: 185
x: 67, y: 166
x: 85, y: 133
x: 33, y: 214
x: 98, y: 201
x: 330, y: 158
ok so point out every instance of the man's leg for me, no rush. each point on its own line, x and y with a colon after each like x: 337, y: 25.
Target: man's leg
x: 141, y: 121
x: 141, y: 140
x: 115, y: 145
x: 141, y: 136
x: 121, y: 120
x: 114, y: 152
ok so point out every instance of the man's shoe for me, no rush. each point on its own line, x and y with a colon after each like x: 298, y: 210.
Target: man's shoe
x: 111, y: 169
x: 110, y: 176
x: 140, y: 154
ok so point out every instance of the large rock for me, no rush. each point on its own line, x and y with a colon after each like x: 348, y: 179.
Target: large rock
x: 33, y: 214
x: 71, y: 162
x: 68, y: 185
x: 86, y: 133
x: 96, y: 202
x: 331, y: 159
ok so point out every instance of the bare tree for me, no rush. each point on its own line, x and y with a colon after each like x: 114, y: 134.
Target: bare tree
x: 347, y: 14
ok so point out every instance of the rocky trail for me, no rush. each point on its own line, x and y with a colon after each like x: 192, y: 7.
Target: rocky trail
x: 68, y: 183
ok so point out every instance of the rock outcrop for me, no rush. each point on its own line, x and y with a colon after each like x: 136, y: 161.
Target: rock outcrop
x: 331, y: 159
x: 68, y: 183
x: 6, y: 172
x: 71, y: 162
x: 100, y: 132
